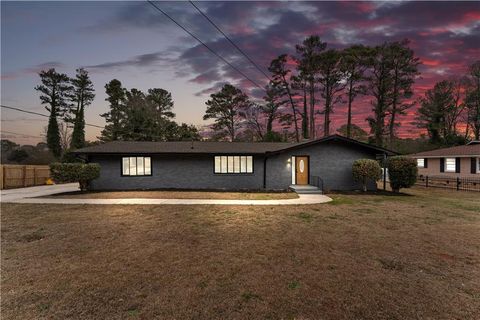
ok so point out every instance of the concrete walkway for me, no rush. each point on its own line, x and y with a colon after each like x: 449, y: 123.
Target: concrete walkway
x: 28, y: 195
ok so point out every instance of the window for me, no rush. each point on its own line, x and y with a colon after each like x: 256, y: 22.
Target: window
x: 450, y: 164
x: 478, y: 165
x: 136, y: 166
x: 233, y: 164
x: 421, y: 163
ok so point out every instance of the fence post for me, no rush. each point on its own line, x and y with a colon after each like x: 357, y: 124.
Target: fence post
x: 458, y: 183
x: 25, y: 176
x: 426, y: 182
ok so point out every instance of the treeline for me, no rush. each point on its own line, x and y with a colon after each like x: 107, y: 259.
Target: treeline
x: 299, y: 101
x: 132, y: 115
x: 306, y: 88
x: 451, y: 105
x: 65, y: 98
x: 139, y: 116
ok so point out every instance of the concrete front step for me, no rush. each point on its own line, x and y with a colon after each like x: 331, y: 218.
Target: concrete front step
x: 306, y: 189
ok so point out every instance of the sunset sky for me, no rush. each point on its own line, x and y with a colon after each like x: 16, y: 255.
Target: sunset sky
x: 136, y: 44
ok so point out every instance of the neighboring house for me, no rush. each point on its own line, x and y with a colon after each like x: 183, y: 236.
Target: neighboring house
x: 229, y: 165
x: 459, y: 161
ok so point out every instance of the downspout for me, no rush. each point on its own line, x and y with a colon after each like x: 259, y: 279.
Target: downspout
x: 265, y: 171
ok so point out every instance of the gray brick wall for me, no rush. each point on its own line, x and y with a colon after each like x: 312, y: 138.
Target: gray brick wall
x: 175, y: 172
x: 332, y: 161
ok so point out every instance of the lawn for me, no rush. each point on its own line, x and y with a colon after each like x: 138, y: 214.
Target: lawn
x: 415, y: 256
x: 176, y: 195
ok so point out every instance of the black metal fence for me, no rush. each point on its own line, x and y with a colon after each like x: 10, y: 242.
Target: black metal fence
x: 446, y: 182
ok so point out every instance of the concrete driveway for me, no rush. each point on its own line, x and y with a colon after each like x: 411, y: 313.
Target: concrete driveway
x: 30, y: 194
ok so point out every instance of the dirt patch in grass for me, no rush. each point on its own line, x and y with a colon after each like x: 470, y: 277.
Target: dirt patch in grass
x: 177, y: 195
x: 360, y: 259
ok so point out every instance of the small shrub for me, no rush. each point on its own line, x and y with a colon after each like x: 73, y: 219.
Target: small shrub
x: 402, y: 172
x: 82, y: 173
x: 366, y: 169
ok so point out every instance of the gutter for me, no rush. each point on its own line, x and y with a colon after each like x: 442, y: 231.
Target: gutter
x: 265, y: 171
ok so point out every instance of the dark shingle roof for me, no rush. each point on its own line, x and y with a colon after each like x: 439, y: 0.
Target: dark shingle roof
x: 209, y: 147
x: 472, y: 150
x: 184, y: 147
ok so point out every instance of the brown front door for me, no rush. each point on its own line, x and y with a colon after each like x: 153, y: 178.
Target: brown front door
x: 301, y: 170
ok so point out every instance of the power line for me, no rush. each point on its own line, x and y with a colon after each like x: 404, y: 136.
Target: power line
x: 20, y: 134
x: 41, y: 114
x: 205, y: 45
x: 230, y: 40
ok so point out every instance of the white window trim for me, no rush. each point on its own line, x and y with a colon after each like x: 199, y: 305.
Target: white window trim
x: 234, y: 164
x: 145, y: 160
x: 478, y: 165
x: 454, y: 165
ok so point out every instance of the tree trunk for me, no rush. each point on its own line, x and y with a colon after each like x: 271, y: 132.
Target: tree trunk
x: 312, y: 109
x: 305, y: 114
x: 297, y: 138
x: 349, y: 114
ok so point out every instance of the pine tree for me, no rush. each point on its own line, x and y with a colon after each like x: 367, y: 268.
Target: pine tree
x: 82, y: 96
x: 280, y: 81
x: 55, y: 91
x: 225, y: 108
x: 404, y: 70
x: 330, y: 76
x: 380, y: 84
x: 309, y: 52
x: 354, y: 66
x: 114, y: 117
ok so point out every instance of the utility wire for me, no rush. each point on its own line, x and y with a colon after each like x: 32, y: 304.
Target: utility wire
x: 41, y: 114
x: 230, y: 40
x: 20, y: 134
x: 204, y: 44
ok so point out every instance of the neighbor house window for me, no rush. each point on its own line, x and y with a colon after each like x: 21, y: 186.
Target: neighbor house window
x: 421, y: 163
x: 233, y: 164
x: 450, y: 164
x: 136, y: 166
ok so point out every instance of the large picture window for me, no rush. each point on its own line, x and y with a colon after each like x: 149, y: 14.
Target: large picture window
x: 233, y: 164
x: 136, y: 166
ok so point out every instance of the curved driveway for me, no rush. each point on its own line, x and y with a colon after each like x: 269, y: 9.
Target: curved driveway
x: 31, y: 194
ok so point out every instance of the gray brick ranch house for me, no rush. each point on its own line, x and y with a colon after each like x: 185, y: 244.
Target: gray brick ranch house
x: 326, y: 162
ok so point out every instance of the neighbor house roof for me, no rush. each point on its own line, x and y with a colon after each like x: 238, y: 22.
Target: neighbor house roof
x: 470, y: 150
x: 210, y: 147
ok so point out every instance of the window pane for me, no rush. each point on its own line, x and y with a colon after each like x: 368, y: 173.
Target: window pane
x: 218, y: 164
x: 450, y: 164
x: 140, y: 170
x: 125, y: 167
x: 243, y: 164
x: 133, y: 166
x: 230, y: 164
x: 236, y: 164
x: 224, y: 164
x: 420, y: 163
x: 249, y: 164
x: 147, y: 164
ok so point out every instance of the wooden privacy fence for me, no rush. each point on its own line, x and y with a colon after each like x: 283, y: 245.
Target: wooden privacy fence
x: 19, y: 176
